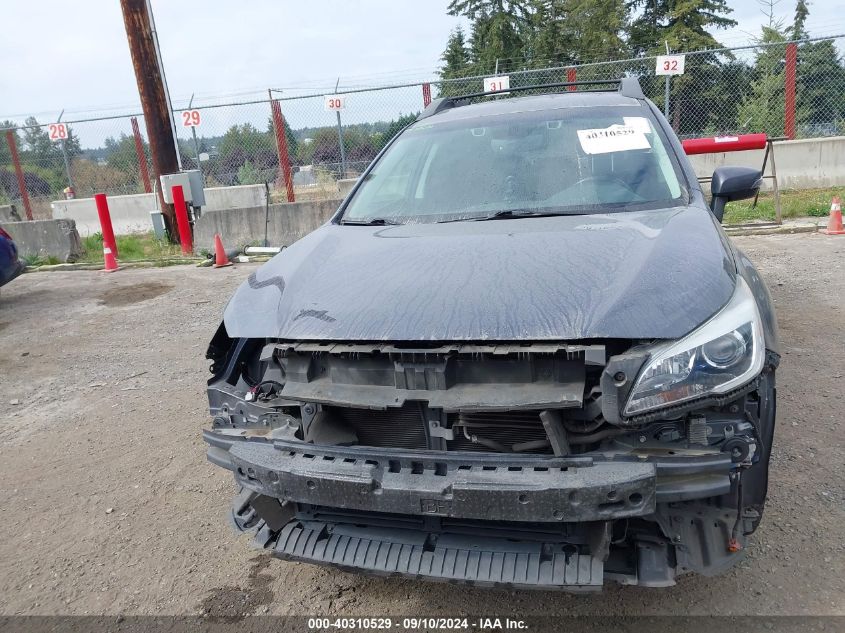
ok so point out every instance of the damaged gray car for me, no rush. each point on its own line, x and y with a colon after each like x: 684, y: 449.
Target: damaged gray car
x: 523, y: 353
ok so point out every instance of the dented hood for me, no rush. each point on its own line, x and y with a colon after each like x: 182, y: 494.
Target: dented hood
x: 650, y: 274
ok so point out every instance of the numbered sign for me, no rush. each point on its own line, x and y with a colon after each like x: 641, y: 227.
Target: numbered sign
x: 191, y: 118
x: 57, y: 131
x: 495, y: 84
x: 334, y: 103
x: 670, y: 65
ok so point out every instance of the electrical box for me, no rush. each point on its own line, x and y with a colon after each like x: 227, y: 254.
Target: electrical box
x: 191, y: 181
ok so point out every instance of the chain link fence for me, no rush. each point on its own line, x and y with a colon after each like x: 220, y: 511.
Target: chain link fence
x: 783, y: 89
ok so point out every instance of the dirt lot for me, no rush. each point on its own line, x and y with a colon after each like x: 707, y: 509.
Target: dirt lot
x: 110, y: 507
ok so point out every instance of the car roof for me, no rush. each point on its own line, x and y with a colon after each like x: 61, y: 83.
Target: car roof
x: 533, y: 103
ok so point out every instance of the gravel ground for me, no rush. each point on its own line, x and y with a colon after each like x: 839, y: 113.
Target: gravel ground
x: 110, y: 507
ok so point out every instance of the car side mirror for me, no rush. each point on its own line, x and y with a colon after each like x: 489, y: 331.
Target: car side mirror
x: 733, y: 183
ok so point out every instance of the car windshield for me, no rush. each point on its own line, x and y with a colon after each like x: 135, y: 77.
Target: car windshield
x: 574, y: 160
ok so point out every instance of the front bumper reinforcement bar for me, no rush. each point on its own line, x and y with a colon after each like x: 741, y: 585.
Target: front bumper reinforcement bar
x: 467, y: 485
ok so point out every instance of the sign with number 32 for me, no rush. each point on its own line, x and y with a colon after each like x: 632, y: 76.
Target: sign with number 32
x: 670, y: 65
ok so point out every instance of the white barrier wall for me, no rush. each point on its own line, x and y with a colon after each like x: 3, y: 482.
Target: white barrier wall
x: 803, y: 164
x: 131, y: 214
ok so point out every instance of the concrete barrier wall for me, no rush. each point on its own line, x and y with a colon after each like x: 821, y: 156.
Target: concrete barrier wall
x: 288, y: 222
x: 803, y: 164
x: 9, y: 213
x: 131, y: 214
x: 56, y: 238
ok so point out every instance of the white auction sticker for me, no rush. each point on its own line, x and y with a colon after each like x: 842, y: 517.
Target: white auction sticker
x: 616, y: 138
x: 639, y: 123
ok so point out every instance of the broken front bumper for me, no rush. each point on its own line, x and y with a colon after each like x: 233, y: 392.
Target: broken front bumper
x: 419, y: 497
x: 483, y: 486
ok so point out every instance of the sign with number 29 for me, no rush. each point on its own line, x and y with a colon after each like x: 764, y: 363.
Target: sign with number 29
x: 191, y: 118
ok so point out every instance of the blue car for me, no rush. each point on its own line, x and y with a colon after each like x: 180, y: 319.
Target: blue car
x: 10, y: 265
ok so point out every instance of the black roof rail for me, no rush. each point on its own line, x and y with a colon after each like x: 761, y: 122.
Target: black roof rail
x: 627, y: 86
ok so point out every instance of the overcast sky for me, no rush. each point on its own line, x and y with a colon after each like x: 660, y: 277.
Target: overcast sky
x: 57, y: 54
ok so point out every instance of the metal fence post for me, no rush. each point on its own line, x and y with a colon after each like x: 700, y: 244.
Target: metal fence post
x: 789, y: 90
x: 64, y: 154
x: 142, y: 156
x: 13, y: 150
x: 282, y: 148
x: 340, y: 138
x: 342, y: 148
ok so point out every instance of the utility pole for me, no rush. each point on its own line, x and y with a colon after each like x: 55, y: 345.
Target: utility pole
x: 154, y: 101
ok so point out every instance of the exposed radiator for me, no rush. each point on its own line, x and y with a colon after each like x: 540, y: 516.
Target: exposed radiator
x: 505, y: 427
x: 402, y: 427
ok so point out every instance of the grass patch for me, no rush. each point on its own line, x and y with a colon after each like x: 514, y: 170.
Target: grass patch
x: 38, y: 260
x: 794, y: 204
x: 135, y: 247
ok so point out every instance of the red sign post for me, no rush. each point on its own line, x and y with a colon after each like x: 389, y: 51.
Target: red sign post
x: 182, y: 222
x: 282, y: 148
x: 13, y: 150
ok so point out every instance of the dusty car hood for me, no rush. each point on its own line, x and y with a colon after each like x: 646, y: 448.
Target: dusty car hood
x: 652, y: 274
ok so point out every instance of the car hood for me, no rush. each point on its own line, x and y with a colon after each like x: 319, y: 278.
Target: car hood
x: 651, y: 274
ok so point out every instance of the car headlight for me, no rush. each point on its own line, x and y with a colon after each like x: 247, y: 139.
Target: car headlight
x: 723, y: 354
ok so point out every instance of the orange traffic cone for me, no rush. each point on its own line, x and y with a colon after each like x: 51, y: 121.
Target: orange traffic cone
x: 109, y: 260
x: 220, y: 257
x: 834, y: 222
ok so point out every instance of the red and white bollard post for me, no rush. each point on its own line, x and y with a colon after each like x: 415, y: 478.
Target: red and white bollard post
x: 109, y: 243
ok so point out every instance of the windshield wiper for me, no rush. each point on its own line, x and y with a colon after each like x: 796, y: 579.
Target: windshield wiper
x: 508, y: 214
x: 371, y: 222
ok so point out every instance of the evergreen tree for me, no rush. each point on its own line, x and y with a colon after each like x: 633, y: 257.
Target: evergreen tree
x: 684, y: 24
x: 497, y: 32
x: 802, y: 10
x: 39, y: 149
x: 596, y: 29
x: 762, y: 110
x: 5, y: 153
x: 549, y: 41
x: 821, y: 78
x: 456, y: 57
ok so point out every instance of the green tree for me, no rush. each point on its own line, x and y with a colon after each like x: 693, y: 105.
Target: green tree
x: 548, y: 39
x: 596, y: 29
x: 456, y: 63
x: 762, y: 110
x: 5, y: 152
x: 249, y: 175
x: 121, y: 154
x: 684, y: 24
x: 456, y: 56
x: 497, y: 32
x: 820, y: 78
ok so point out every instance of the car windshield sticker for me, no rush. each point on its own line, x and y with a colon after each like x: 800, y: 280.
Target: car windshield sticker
x: 639, y: 123
x: 616, y: 138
